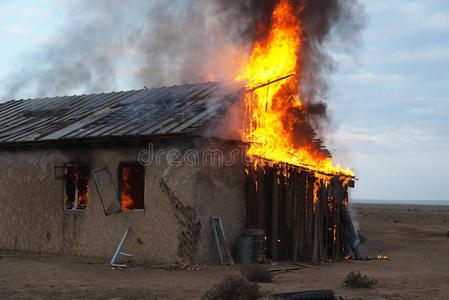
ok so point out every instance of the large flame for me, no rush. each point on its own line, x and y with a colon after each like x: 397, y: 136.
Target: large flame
x: 270, y: 111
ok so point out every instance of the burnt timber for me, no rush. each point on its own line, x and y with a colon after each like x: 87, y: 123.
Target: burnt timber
x: 305, y: 218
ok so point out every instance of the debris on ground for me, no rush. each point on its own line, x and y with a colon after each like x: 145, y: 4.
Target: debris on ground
x: 256, y: 273
x: 357, y: 280
x: 185, y: 266
x: 233, y: 287
x: 307, y: 295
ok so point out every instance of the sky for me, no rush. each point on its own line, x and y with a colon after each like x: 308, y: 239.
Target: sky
x: 389, y: 98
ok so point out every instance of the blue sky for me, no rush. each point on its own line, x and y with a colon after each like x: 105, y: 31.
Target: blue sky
x: 389, y: 99
x: 24, y: 25
x: 392, y: 105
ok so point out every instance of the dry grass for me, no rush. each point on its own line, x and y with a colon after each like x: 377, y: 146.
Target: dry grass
x: 357, y: 280
x: 256, y: 273
x: 233, y: 287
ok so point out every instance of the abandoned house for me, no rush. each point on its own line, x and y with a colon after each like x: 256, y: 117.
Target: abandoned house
x: 78, y: 171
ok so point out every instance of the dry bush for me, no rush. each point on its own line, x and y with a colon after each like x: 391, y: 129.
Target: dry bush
x: 356, y: 280
x: 233, y: 287
x: 256, y: 273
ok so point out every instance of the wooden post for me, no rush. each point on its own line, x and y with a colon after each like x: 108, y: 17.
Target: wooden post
x: 332, y: 219
x: 289, y: 210
x: 302, y: 193
x: 268, y: 187
x: 275, y: 216
x: 295, y: 221
x: 309, y: 232
x: 251, y: 199
x: 338, y: 240
x: 321, y: 221
x: 282, y: 222
x: 260, y: 224
x: 316, y: 226
x: 326, y: 232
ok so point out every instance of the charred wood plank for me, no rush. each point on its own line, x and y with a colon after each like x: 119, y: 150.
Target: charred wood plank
x: 325, y: 221
x: 260, y: 198
x: 296, y: 214
x: 275, y: 216
x: 316, y: 226
x: 339, y: 242
x: 302, y: 190
x: 309, y: 230
x: 251, y: 195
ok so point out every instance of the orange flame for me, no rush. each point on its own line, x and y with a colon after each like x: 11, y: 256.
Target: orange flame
x: 127, y: 201
x: 316, y: 200
x: 269, y: 126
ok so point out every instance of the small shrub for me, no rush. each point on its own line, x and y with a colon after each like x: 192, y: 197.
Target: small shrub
x: 256, y: 273
x: 356, y: 280
x: 233, y: 287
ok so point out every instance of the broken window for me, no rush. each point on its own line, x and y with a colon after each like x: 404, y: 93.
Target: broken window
x: 107, y: 191
x: 76, y: 186
x: 132, y: 186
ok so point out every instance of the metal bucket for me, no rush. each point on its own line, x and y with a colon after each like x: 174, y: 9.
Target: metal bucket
x: 258, y: 244
x: 245, y: 249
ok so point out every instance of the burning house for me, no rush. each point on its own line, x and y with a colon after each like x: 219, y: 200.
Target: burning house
x: 78, y: 171
x: 50, y: 202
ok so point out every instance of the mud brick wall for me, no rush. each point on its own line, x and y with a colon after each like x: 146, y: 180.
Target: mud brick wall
x: 32, y: 215
x: 220, y: 190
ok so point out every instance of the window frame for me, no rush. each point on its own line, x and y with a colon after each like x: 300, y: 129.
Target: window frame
x: 119, y: 176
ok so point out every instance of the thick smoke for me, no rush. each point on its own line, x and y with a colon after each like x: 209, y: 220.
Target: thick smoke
x: 79, y: 57
x: 113, y: 44
x: 323, y: 20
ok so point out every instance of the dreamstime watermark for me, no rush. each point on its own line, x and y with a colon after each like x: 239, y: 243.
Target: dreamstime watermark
x: 192, y: 157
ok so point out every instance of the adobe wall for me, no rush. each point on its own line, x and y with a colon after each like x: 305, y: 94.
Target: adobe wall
x: 32, y: 215
x: 220, y: 190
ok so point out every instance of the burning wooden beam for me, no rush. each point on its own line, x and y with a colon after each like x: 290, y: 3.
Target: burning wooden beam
x: 268, y: 83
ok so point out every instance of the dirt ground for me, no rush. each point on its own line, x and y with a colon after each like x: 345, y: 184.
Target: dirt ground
x: 413, y: 237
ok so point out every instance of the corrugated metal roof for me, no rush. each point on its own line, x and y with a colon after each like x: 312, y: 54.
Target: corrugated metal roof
x: 146, y: 112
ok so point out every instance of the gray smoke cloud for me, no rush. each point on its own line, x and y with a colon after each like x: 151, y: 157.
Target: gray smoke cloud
x: 187, y: 43
x: 77, y: 58
x: 323, y: 20
x: 112, y: 44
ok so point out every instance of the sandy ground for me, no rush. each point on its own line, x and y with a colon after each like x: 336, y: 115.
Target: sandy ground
x: 413, y: 237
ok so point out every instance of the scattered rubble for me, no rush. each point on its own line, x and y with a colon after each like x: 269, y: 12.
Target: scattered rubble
x: 185, y: 266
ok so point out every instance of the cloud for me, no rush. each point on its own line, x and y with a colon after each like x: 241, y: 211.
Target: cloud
x: 8, y: 11
x: 408, y: 139
x: 367, y: 77
x: 19, y: 31
x: 425, y: 15
x: 393, y: 102
x: 34, y: 12
x: 417, y: 55
x: 20, y: 11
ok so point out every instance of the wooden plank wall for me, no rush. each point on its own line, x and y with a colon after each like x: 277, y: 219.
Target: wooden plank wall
x: 281, y: 201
